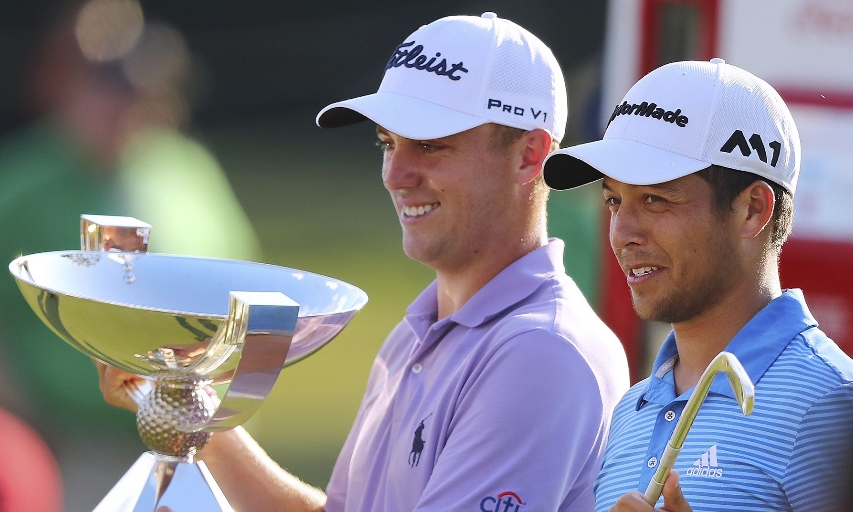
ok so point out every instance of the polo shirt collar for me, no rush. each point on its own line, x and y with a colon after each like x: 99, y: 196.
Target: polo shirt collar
x: 756, y: 345
x: 513, y: 284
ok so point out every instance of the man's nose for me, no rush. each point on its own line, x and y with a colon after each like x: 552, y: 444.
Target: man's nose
x: 626, y: 227
x: 400, y: 169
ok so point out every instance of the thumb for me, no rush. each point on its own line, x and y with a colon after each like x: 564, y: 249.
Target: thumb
x: 673, y: 499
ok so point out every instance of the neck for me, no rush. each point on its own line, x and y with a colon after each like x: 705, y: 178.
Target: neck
x: 701, y: 338
x: 457, y: 286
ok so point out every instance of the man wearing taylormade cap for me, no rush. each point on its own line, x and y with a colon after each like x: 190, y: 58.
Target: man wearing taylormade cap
x: 700, y: 164
x: 495, y: 392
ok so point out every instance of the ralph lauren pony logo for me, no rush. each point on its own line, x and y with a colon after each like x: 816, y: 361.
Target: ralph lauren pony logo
x: 411, y: 56
x: 418, y: 444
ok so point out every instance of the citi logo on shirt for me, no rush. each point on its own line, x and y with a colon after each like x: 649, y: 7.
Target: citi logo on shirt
x: 706, y: 466
x: 504, y: 502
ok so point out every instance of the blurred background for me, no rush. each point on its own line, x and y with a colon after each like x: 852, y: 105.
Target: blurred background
x: 198, y: 117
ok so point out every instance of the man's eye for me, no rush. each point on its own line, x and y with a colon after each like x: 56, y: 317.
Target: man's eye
x: 610, y: 202
x: 652, y: 199
x: 429, y: 147
x: 383, y: 145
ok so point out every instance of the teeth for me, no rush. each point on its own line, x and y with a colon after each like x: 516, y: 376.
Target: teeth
x: 417, y: 211
x: 643, y: 270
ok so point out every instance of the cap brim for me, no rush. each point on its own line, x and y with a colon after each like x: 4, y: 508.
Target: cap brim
x: 623, y: 160
x: 410, y: 117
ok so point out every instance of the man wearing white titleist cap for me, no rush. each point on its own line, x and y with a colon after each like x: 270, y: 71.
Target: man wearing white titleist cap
x: 700, y: 165
x: 495, y: 392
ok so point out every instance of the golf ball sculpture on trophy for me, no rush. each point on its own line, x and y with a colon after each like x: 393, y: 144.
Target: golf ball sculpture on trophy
x: 209, y: 336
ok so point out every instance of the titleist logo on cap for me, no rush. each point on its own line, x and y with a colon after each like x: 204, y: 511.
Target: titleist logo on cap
x: 411, y: 56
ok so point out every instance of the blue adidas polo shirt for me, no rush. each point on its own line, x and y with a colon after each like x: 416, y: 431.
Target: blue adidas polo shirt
x: 789, y: 454
x: 503, y: 406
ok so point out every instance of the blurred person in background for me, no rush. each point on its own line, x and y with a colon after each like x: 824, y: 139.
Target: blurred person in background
x: 109, y: 94
x: 497, y: 387
x: 29, y: 475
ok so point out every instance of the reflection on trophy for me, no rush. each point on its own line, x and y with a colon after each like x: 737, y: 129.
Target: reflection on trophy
x: 210, y: 336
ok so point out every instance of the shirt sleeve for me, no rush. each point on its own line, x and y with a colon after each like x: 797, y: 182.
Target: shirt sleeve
x: 820, y: 470
x: 528, y: 429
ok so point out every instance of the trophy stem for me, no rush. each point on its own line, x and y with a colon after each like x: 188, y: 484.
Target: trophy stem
x: 156, y: 481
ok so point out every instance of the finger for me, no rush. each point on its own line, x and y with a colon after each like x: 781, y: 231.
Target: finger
x: 113, y: 384
x: 673, y: 498
x: 633, y: 501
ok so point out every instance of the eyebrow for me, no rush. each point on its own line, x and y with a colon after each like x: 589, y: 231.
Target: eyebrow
x: 668, y: 186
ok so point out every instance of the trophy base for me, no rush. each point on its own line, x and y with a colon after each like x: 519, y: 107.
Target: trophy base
x: 155, y: 481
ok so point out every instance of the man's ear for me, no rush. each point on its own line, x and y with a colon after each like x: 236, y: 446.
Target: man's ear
x: 534, y: 146
x: 755, y: 205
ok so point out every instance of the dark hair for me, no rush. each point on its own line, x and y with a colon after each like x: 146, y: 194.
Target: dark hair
x: 728, y: 183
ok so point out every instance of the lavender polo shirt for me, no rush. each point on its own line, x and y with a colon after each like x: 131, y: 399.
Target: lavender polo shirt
x: 502, y: 407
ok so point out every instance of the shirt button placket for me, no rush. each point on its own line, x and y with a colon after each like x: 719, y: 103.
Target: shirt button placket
x: 664, y: 426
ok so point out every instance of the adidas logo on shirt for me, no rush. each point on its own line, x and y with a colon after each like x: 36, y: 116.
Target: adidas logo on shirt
x: 706, y: 465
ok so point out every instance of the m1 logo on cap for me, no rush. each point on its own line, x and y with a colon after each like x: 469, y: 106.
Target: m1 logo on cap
x: 652, y: 110
x: 409, y: 55
x: 738, y: 140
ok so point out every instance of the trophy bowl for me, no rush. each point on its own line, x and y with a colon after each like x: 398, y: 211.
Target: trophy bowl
x: 123, y: 308
x: 185, y: 324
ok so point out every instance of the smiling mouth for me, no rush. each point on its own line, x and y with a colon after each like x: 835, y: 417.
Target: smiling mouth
x: 639, y: 272
x: 417, y: 211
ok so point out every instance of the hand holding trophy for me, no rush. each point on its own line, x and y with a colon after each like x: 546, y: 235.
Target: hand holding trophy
x: 186, y: 326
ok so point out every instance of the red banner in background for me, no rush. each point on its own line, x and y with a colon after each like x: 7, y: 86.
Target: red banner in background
x: 822, y: 270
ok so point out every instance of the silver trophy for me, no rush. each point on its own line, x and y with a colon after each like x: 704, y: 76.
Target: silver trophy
x: 210, y: 336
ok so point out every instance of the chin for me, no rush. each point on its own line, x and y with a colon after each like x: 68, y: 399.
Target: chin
x: 645, y: 314
x: 670, y: 313
x: 418, y: 252
x: 668, y: 310
x: 643, y: 307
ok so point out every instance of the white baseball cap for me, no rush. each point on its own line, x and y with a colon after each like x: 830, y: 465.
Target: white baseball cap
x: 682, y: 118
x: 458, y: 73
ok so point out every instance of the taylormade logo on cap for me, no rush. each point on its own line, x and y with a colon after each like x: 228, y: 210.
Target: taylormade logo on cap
x: 458, y: 73
x: 649, y: 109
x: 725, y: 116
